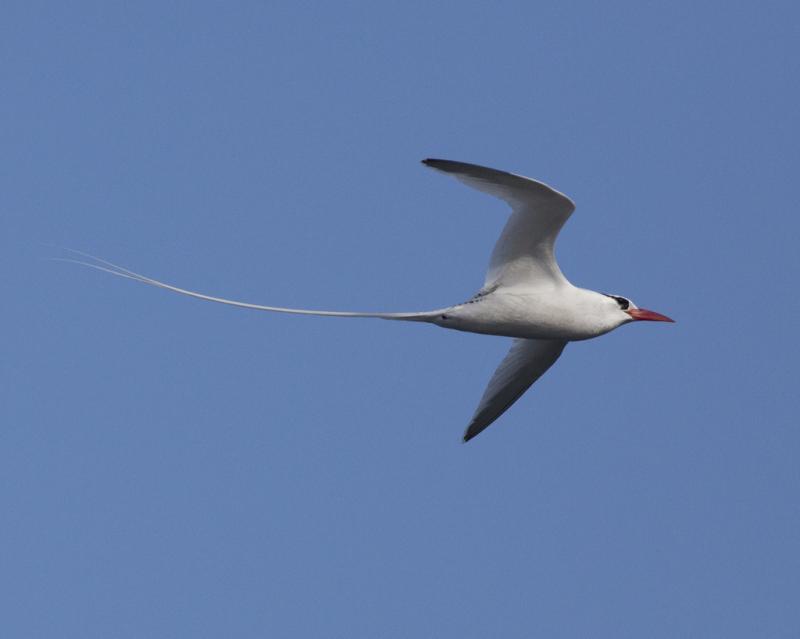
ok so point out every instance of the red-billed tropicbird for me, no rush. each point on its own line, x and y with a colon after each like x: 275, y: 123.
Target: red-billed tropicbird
x: 525, y: 295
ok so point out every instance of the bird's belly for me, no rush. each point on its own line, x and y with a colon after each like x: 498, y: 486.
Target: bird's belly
x: 522, y: 317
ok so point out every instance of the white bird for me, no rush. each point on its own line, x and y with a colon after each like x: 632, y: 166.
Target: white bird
x: 525, y: 295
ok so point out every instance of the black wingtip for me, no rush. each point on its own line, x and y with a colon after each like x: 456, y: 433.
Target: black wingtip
x: 452, y: 166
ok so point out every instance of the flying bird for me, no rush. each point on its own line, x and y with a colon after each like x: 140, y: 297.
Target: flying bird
x: 525, y: 295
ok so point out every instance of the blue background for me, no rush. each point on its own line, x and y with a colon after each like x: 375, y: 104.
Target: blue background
x: 173, y: 468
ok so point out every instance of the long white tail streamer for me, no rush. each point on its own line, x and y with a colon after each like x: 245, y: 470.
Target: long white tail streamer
x: 114, y: 269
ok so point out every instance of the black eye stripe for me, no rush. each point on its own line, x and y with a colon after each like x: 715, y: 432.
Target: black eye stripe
x: 623, y: 303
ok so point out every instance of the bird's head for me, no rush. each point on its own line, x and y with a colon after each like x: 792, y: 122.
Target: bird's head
x: 626, y: 311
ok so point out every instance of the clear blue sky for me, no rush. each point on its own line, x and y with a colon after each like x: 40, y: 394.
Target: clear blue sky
x: 170, y: 468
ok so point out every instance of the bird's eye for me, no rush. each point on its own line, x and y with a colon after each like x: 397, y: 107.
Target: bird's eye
x: 623, y: 303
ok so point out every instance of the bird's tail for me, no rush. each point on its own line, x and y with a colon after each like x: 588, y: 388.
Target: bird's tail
x: 90, y: 261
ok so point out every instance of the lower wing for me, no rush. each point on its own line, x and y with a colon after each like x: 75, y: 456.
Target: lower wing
x: 526, y: 362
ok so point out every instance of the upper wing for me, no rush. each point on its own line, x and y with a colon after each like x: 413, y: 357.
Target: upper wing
x: 526, y: 362
x: 524, y: 252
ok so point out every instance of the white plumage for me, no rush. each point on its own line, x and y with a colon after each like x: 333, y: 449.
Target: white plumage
x: 524, y: 296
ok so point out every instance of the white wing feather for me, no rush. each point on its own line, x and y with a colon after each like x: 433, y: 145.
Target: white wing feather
x: 524, y: 254
x: 526, y: 362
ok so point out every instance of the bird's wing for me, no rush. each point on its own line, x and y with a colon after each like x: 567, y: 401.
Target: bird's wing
x: 523, y: 255
x: 526, y: 362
